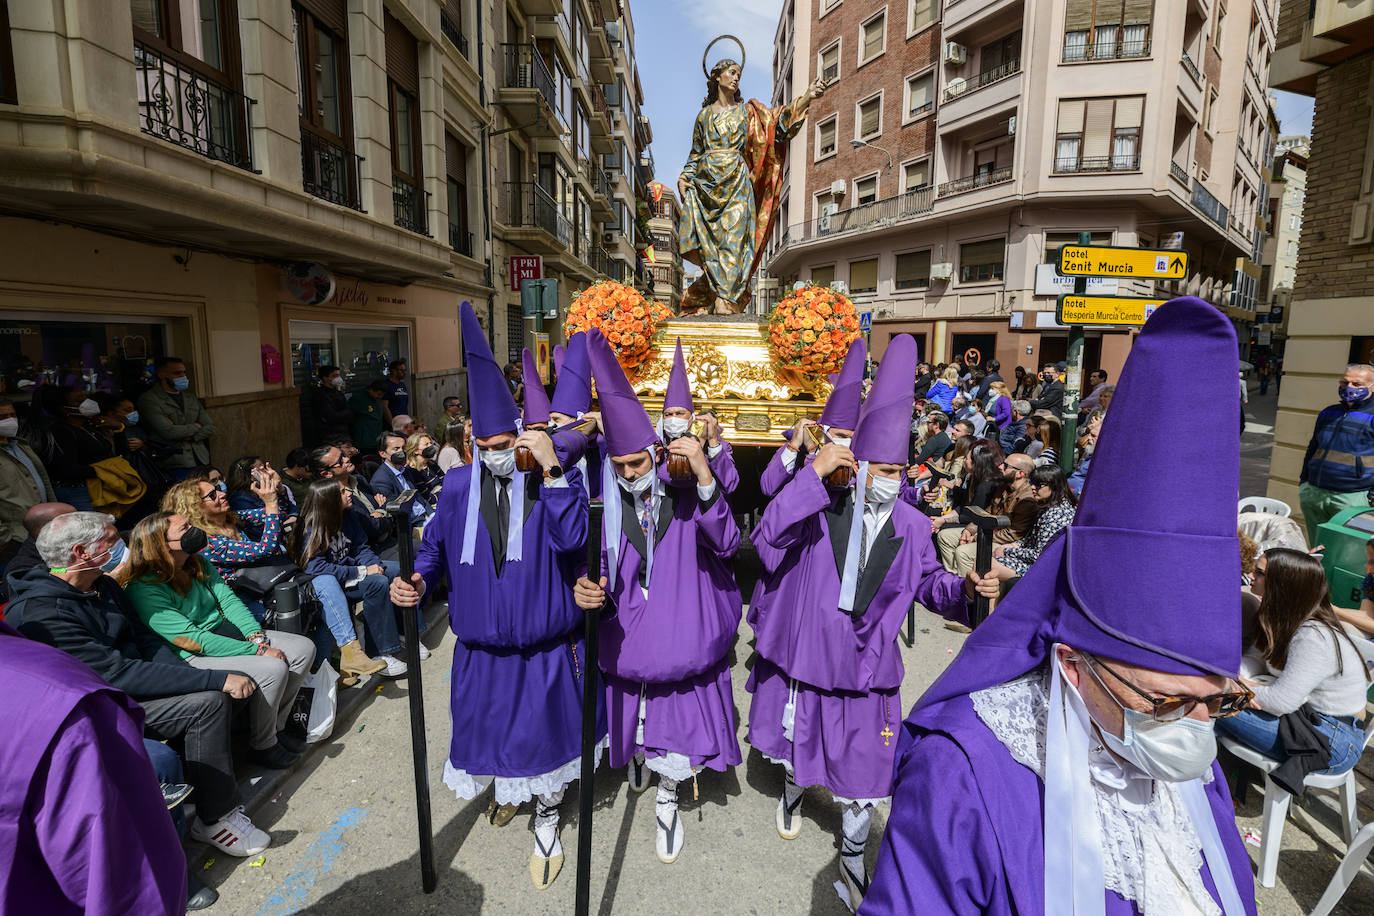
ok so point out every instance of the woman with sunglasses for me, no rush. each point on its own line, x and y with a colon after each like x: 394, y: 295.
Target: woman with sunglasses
x: 1309, y: 659
x: 1051, y: 494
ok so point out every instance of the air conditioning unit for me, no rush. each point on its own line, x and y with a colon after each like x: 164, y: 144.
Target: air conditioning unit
x: 838, y: 187
x: 608, y: 238
x: 613, y: 32
x: 1011, y: 126
x: 955, y: 53
x: 943, y: 270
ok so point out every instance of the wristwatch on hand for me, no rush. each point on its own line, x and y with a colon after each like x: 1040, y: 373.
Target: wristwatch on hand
x: 553, y: 473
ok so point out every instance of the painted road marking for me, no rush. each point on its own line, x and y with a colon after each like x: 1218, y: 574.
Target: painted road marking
x: 317, y: 859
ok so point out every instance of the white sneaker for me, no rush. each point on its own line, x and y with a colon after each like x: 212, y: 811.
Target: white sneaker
x: 394, y: 666
x: 233, y: 834
x: 424, y: 653
x: 638, y: 774
x: 668, y: 842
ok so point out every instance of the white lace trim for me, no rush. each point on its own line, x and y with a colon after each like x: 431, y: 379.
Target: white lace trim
x: 672, y: 765
x: 512, y: 790
x: 1151, y: 853
x: 861, y: 802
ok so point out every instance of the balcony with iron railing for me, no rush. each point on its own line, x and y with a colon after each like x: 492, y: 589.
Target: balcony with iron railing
x: 1208, y: 205
x: 453, y: 33
x: 865, y: 217
x: 973, y: 182
x: 183, y: 101
x: 329, y: 170
x: 410, y: 204
x: 983, y: 79
x: 459, y: 240
x: 527, y: 86
x: 1179, y: 173
x: 1080, y: 164
x: 1099, y: 51
x: 529, y: 206
x: 1191, y: 67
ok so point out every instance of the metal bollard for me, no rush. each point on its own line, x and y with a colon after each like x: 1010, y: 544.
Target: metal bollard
x: 288, y: 599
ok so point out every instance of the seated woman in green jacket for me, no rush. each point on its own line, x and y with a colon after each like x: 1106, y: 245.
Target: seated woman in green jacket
x: 182, y: 598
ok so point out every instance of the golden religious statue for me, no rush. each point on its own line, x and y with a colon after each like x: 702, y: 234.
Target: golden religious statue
x: 731, y: 184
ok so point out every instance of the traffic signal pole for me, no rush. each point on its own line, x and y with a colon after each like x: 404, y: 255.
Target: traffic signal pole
x: 1073, y: 377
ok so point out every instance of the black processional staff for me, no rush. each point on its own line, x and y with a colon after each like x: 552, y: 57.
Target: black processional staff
x: 419, y: 752
x: 590, y: 683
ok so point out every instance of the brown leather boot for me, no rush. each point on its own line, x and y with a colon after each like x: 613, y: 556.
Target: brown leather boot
x: 354, y: 663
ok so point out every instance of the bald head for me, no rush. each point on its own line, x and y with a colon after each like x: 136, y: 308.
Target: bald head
x: 41, y: 514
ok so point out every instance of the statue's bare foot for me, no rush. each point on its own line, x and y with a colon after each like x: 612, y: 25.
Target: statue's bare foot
x: 693, y: 312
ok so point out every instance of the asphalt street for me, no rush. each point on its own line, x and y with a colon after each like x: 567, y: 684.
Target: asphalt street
x: 345, y: 840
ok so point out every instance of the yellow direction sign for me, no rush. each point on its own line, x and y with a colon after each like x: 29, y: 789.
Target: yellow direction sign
x: 1108, y: 261
x: 1124, y: 311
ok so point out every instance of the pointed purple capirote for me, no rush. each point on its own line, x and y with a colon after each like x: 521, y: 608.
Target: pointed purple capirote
x: 491, y: 406
x: 536, y: 398
x: 1110, y: 584
x: 573, y: 396
x: 627, y: 426
x: 560, y: 353
x: 679, y: 393
x: 883, y: 431
x: 842, y: 407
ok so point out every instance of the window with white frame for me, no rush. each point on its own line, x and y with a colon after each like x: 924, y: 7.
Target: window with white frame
x: 1098, y: 135
x: 920, y: 13
x: 865, y: 190
x: 830, y: 62
x: 872, y: 36
x: 920, y: 94
x: 825, y: 137
x: 868, y: 121
x: 916, y: 174
x: 1115, y: 30
x: 913, y: 270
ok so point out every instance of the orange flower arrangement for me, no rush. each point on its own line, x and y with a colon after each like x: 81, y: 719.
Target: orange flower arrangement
x: 810, y: 331
x: 628, y: 320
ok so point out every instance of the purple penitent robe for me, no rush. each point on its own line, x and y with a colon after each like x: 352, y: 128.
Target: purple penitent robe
x: 965, y: 832
x: 845, y: 668
x: 667, y: 640
x: 83, y: 827
x: 517, y: 667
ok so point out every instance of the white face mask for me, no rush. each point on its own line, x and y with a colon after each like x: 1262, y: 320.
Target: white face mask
x: 637, y: 487
x: 673, y: 427
x: 337, y: 382
x: 500, y: 461
x: 1170, y: 751
x: 845, y: 441
x: 9, y: 427
x: 89, y: 408
x: 882, y: 490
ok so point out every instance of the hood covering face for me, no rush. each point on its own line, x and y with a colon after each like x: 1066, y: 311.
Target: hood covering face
x: 679, y: 393
x: 883, y: 432
x: 573, y: 396
x: 842, y: 407
x: 536, y: 398
x: 493, y: 408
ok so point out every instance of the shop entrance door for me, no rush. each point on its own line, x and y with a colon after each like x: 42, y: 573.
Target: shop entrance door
x: 973, y: 349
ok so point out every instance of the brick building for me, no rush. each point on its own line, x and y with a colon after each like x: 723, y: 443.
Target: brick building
x: 961, y: 143
x: 1326, y: 50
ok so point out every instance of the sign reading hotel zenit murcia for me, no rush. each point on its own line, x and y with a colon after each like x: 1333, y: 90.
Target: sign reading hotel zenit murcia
x: 1109, y: 261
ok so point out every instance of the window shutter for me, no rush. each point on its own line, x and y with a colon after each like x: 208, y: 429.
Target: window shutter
x: 1108, y: 12
x: 1071, y: 116
x: 923, y: 14
x: 868, y: 113
x: 332, y: 14
x: 921, y: 92
x: 866, y: 190
x: 918, y: 175
x: 863, y: 275
x: 1097, y: 131
x: 1139, y: 12
x: 1129, y: 111
x: 1079, y: 16
x: 913, y: 269
x: 977, y: 254
x: 830, y: 62
x: 402, y: 56
x: 455, y: 158
x: 454, y: 9
x: 822, y: 276
x: 873, y: 37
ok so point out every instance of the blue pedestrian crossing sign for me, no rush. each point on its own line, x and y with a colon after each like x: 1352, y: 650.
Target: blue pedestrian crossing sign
x: 865, y: 321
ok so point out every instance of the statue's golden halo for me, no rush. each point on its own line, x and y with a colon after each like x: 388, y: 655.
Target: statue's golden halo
x: 714, y: 42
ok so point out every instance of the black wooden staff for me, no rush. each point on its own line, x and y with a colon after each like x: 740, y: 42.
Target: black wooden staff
x: 590, y: 680
x: 405, y: 549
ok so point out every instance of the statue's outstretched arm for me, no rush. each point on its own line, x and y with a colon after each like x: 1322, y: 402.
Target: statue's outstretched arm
x: 790, y: 116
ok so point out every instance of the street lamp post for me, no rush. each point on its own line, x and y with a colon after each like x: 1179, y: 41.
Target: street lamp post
x: 860, y: 144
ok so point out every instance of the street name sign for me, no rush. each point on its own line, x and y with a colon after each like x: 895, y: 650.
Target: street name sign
x: 1117, y: 311
x: 1109, y: 261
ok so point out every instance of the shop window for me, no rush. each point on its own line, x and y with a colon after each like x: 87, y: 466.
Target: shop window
x: 981, y: 262
x: 913, y: 270
x: 95, y: 355
x: 863, y: 276
x: 361, y: 352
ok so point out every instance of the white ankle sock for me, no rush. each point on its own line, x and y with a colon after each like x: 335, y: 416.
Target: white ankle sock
x: 856, y: 821
x: 666, y: 803
x: 546, y: 824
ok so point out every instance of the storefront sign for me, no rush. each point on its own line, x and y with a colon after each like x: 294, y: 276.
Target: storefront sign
x: 1049, y: 283
x: 1109, y: 261
x: 541, y: 355
x: 1118, y: 311
x: 308, y: 282
x: 525, y: 267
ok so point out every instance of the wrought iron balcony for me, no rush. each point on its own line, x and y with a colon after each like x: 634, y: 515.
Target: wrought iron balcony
x: 865, y: 217
x: 986, y: 78
x: 1208, y: 205
x: 1179, y: 173
x: 1116, y: 50
x: 1190, y: 66
x: 329, y: 171
x: 525, y: 69
x: 981, y: 180
x: 182, y: 101
x: 459, y: 240
x: 1098, y: 164
x: 453, y: 33
x: 410, y: 204
x: 529, y: 205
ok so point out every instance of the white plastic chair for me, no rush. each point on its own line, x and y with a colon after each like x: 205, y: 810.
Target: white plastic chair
x: 1346, y: 872
x: 1266, y: 505
x: 1276, y: 800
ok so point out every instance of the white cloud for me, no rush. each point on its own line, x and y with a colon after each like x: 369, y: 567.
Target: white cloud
x: 753, y: 22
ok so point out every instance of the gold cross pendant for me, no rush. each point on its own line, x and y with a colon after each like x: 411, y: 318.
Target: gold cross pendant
x: 886, y: 734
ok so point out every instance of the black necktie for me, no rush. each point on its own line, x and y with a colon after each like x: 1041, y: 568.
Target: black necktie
x: 502, y: 514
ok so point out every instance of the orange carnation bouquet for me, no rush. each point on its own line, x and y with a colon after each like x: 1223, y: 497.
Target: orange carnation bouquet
x: 625, y: 317
x: 811, y: 329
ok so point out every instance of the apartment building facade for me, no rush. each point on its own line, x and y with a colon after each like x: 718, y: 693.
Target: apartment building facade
x: 263, y: 188
x: 665, y: 272
x: 1287, y: 195
x: 1325, y: 49
x: 961, y: 144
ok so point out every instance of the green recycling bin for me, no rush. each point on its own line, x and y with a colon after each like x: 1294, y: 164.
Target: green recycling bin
x: 1344, y: 537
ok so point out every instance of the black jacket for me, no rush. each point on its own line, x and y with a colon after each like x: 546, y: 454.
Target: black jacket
x: 923, y: 383
x: 936, y: 447
x: 99, y: 628
x: 1051, y: 399
x: 333, y: 416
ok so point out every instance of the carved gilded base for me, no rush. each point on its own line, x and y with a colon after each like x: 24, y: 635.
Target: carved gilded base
x: 731, y: 371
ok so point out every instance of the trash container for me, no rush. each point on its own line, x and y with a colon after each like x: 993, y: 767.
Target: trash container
x: 1344, y: 537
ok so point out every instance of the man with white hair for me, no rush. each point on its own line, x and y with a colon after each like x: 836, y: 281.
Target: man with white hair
x: 1338, y: 469
x: 70, y: 604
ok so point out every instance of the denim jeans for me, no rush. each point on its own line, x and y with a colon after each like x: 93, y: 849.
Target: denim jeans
x: 167, y: 766
x: 1260, y: 730
x: 375, y: 593
x: 201, y: 720
x: 79, y: 497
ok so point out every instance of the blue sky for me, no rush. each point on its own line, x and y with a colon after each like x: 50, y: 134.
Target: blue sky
x: 671, y: 34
